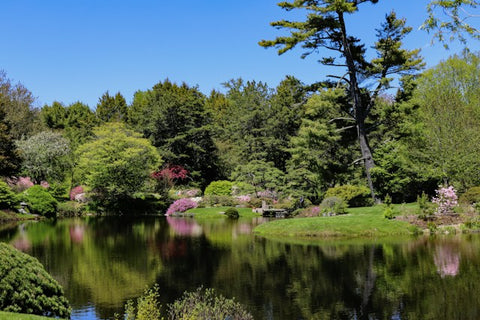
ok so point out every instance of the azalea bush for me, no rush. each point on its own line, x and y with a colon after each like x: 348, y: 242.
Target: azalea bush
x: 181, y: 205
x: 20, y: 184
x: 446, y: 200
x: 76, y: 191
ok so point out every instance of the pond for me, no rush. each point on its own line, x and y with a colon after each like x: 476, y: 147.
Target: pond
x: 102, y: 262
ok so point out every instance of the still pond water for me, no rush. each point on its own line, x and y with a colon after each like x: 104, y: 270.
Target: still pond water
x: 102, y: 262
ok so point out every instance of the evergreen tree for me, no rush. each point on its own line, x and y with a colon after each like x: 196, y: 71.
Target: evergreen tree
x: 325, y: 28
x: 9, y: 157
x: 111, y: 108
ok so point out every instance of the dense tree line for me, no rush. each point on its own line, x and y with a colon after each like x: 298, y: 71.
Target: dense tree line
x: 294, y: 140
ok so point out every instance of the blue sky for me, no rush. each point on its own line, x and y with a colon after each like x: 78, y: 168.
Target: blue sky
x: 75, y: 50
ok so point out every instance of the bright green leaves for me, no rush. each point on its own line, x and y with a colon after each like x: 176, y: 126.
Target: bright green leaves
x: 449, y: 20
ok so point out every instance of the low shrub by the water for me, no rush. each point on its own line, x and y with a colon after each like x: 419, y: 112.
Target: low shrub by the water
x: 40, y: 201
x: 232, y: 213
x: 27, y: 287
x: 215, y: 201
x: 181, y: 205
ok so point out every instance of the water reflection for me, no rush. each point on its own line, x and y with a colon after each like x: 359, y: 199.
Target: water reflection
x: 102, y: 262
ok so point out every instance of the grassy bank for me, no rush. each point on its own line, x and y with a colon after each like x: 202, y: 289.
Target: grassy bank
x: 9, y: 216
x: 218, y: 212
x: 359, y: 222
x: 20, y: 316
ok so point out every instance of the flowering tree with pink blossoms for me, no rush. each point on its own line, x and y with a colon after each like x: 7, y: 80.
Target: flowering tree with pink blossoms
x: 446, y: 200
x: 181, y: 205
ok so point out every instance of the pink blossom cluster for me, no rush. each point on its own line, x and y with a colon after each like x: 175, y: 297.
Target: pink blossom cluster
x: 446, y: 200
x: 45, y: 184
x: 189, y: 193
x: 76, y: 191
x: 266, y: 194
x: 20, y: 184
x: 244, y: 198
x: 181, y: 205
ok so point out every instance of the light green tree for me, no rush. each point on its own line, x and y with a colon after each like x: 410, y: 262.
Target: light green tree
x: 116, y: 164
x: 449, y: 20
x: 448, y: 125
x: 325, y: 31
x: 45, y: 156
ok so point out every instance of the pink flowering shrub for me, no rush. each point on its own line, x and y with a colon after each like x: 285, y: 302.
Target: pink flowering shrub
x: 181, y: 205
x: 244, y: 199
x: 76, y: 191
x: 446, y: 200
x: 45, y: 184
x: 20, y: 184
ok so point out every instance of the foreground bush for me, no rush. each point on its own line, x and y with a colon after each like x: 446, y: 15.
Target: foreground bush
x: 333, y: 206
x: 200, y: 304
x: 354, y: 196
x: 27, y: 288
x: 7, y: 196
x: 40, y: 201
x: 205, y: 304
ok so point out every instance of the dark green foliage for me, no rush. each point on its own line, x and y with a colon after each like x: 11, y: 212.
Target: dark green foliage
x: 262, y: 175
x: 40, y: 201
x: 7, y: 196
x: 70, y: 209
x: 219, y: 188
x: 9, y: 157
x: 27, y: 287
x: 111, y: 108
x: 206, y: 304
x: 333, y: 205
x: 425, y: 207
x: 355, y: 196
x: 224, y: 201
x: 173, y: 118
x: 471, y: 196
x: 232, y: 213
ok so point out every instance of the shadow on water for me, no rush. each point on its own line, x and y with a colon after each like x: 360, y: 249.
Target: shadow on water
x: 102, y: 262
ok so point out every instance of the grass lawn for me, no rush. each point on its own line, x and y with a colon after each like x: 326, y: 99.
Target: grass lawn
x: 359, y: 222
x: 20, y: 316
x: 217, y: 212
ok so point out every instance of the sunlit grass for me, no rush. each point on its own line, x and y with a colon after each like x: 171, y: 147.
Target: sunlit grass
x: 218, y: 212
x: 20, y: 316
x: 359, y: 222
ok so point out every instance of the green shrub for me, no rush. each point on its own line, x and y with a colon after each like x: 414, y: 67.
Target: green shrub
x: 224, y: 201
x: 219, y: 188
x: 27, y: 287
x: 471, y: 196
x: 40, y: 201
x: 333, y: 205
x: 148, y: 306
x: 354, y: 196
x: 7, y: 196
x: 205, y: 304
x: 70, y: 209
x: 232, y: 213
x: 389, y: 212
x: 59, y: 191
x: 425, y: 207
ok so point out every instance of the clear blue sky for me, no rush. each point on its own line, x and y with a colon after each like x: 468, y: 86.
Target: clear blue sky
x: 75, y: 50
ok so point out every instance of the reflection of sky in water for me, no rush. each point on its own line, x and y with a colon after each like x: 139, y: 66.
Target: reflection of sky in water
x: 84, y: 313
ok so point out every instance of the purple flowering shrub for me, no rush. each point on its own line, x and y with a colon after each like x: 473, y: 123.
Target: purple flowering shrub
x: 181, y: 205
x: 446, y: 200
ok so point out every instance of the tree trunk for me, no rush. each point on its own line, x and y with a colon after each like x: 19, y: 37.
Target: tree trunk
x: 366, y: 156
x: 360, y: 111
